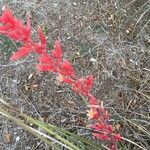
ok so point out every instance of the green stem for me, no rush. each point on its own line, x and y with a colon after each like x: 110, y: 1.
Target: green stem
x: 26, y: 127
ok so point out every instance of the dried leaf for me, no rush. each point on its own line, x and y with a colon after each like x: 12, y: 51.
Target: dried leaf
x: 8, y: 137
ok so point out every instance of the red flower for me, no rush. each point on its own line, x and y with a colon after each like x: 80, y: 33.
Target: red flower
x: 39, y: 48
x: 45, y: 67
x: 57, y: 52
x: 92, y: 101
x: 89, y: 82
x: 98, y: 126
x: 66, y: 69
x: 45, y: 58
x: 41, y: 36
x: 46, y: 63
x: 117, y: 137
x: 101, y: 136
x: 22, y: 52
x: 83, y: 85
x: 109, y: 128
x: 62, y: 78
x: 7, y: 17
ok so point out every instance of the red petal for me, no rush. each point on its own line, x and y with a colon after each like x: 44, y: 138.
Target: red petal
x: 3, y: 29
x: 55, y: 56
x: 92, y: 100
x: 89, y: 81
x: 45, y: 58
x: 117, y: 137
x: 22, y: 52
x: 42, y: 67
x: 62, y: 78
x: 66, y: 68
x: 110, y: 128
x: 28, y: 23
x: 7, y: 17
x: 76, y: 87
x: 41, y: 36
x: 58, y: 48
x: 57, y: 53
x: 97, y: 126
x: 15, y: 27
x: 68, y: 80
x: 12, y: 35
x: 101, y: 136
x: 25, y: 31
x: 39, y: 48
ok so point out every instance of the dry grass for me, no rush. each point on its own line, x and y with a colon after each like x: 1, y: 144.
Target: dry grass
x: 116, y: 35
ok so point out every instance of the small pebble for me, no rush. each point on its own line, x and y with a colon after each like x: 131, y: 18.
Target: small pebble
x: 17, y: 138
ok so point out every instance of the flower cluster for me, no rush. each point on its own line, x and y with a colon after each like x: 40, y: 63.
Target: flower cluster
x: 54, y: 62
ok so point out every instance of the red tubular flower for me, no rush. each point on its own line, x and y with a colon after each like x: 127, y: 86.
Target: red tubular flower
x: 65, y: 79
x: 89, y: 82
x: 117, y: 137
x: 41, y: 36
x: 22, y: 52
x: 109, y: 128
x: 92, y: 100
x: 101, y: 136
x: 45, y: 58
x: 66, y: 69
x: 45, y: 67
x: 15, y: 29
x: 105, y: 132
x: 57, y: 52
x: 98, y: 126
x: 38, y: 48
x: 46, y: 63
x: 83, y: 85
x: 28, y: 23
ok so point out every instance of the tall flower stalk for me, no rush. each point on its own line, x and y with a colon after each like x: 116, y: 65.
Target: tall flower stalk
x: 54, y: 62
